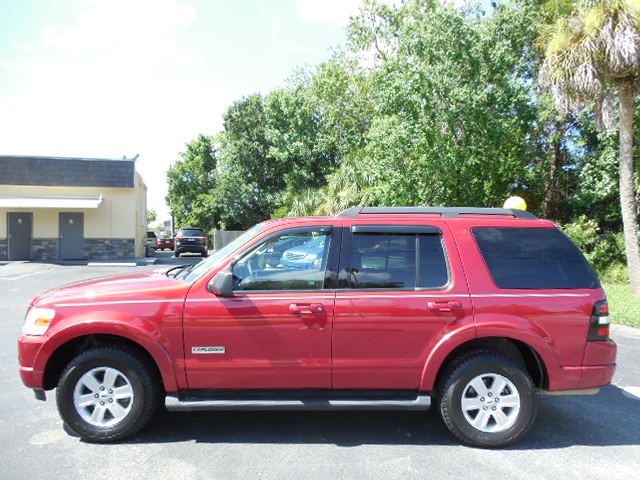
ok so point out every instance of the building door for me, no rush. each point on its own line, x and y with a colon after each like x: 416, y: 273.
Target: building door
x: 71, y: 236
x: 19, y: 235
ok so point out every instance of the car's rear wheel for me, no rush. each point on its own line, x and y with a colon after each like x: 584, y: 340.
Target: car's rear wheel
x: 176, y: 253
x: 107, y: 393
x: 487, y: 399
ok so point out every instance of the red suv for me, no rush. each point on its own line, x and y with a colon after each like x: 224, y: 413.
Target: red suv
x: 475, y: 310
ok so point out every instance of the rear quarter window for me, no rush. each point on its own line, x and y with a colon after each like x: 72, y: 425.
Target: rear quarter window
x: 533, y: 258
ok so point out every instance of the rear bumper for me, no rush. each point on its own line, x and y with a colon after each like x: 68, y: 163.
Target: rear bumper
x: 191, y: 248
x: 597, y: 375
x: 597, y: 369
x: 599, y: 364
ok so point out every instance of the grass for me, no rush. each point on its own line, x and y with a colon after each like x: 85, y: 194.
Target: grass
x: 624, y: 306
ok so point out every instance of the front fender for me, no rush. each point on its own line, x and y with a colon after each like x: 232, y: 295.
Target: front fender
x: 140, y: 330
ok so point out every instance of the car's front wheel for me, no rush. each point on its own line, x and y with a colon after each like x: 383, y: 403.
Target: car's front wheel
x: 487, y: 399
x: 107, y: 393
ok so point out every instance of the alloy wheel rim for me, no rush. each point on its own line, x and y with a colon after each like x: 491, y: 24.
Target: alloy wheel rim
x: 490, y: 403
x: 103, y: 397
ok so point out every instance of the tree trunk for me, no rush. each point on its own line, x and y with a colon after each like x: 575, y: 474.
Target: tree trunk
x: 552, y: 194
x: 627, y: 183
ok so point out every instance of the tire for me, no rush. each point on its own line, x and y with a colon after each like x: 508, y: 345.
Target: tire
x: 506, y: 404
x: 205, y: 254
x: 134, y: 395
x: 176, y: 253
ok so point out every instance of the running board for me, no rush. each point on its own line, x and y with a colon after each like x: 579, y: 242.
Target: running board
x: 327, y: 401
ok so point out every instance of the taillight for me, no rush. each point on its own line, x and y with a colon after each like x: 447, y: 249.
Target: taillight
x: 203, y: 239
x: 599, y: 322
x: 179, y: 238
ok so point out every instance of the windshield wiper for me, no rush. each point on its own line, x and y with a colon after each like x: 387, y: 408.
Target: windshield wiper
x: 173, y: 269
x: 185, y: 270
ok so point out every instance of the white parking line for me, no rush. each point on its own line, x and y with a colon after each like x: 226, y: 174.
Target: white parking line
x: 111, y: 264
x: 18, y: 277
x: 631, y: 392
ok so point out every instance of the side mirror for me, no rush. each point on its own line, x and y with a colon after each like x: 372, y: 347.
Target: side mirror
x: 221, y: 284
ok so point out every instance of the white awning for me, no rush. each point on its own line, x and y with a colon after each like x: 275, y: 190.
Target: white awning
x: 50, y: 202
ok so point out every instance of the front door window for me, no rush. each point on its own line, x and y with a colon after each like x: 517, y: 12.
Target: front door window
x: 294, y: 260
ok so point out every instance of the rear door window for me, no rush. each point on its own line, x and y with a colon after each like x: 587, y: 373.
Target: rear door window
x: 433, y: 269
x: 533, y: 258
x: 383, y: 261
x: 397, y: 261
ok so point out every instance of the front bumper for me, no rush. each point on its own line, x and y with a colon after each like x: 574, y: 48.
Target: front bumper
x: 28, y: 348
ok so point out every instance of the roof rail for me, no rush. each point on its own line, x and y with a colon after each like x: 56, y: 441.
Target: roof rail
x: 447, y: 212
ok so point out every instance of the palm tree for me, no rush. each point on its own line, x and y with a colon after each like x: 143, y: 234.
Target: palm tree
x: 592, y: 53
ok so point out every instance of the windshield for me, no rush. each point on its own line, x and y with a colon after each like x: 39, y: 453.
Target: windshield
x: 199, y: 269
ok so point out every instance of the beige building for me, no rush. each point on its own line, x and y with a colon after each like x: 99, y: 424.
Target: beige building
x: 55, y: 208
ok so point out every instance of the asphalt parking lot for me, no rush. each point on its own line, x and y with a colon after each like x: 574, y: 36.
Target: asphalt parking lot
x: 573, y: 437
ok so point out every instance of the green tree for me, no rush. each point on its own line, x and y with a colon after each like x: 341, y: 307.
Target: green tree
x: 191, y: 181
x: 593, y: 53
x: 152, y: 216
x: 452, y: 94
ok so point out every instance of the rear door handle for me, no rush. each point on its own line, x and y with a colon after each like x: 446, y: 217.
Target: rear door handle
x: 306, y: 308
x: 448, y: 306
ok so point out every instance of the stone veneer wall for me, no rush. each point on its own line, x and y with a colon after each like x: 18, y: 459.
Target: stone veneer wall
x: 109, y: 248
x: 44, y: 249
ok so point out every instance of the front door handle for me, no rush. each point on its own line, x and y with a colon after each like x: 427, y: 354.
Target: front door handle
x: 448, y: 306
x: 306, y: 308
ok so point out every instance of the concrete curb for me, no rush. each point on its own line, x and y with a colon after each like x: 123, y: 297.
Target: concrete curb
x: 121, y: 262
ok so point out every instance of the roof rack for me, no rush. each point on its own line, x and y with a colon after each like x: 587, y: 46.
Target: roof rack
x: 447, y: 212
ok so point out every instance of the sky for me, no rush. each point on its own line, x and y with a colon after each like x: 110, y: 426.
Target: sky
x: 114, y: 78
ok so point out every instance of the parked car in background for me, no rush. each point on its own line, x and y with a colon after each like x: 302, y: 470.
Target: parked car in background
x: 165, y: 242
x: 308, y: 255
x: 191, y: 240
x: 273, y: 254
x: 152, y: 240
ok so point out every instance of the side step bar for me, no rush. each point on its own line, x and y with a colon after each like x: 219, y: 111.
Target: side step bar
x: 186, y: 403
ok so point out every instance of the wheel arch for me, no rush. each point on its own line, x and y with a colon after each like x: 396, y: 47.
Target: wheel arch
x: 64, y: 352
x: 510, y: 347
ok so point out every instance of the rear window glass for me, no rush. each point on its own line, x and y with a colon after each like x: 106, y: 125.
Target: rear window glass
x: 191, y: 232
x: 533, y: 258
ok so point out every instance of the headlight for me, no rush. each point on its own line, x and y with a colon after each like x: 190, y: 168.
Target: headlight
x: 37, y: 321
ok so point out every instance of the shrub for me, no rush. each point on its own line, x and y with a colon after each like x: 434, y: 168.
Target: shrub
x: 604, y: 250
